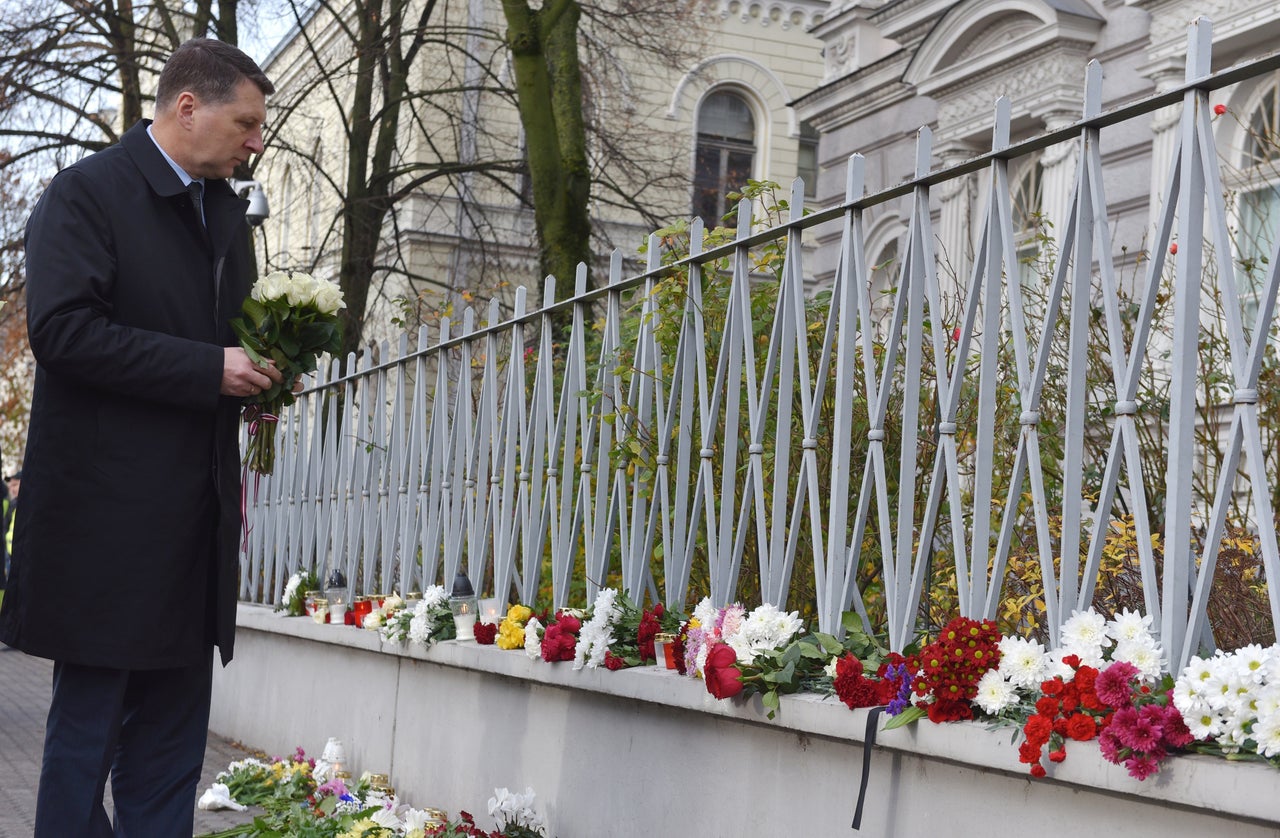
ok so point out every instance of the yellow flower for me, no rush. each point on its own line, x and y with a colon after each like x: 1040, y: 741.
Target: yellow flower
x: 360, y: 828
x: 510, y: 635
x: 519, y: 614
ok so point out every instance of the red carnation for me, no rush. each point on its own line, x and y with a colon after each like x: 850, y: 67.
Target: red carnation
x: 1037, y: 770
x: 1058, y: 755
x: 558, y: 644
x: 724, y: 680
x: 1082, y: 727
x: 568, y: 622
x: 485, y: 633
x: 613, y: 663
x: 1038, y: 729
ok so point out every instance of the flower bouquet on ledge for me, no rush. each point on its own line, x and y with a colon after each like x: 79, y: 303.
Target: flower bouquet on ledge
x: 428, y: 620
x: 289, y: 318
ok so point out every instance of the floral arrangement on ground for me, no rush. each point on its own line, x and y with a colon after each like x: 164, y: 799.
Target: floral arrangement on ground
x: 308, y: 798
x: 1103, y: 681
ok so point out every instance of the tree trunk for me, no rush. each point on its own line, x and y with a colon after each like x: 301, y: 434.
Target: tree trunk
x: 548, y: 76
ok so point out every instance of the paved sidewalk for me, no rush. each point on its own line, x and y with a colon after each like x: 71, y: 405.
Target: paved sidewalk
x: 25, y: 683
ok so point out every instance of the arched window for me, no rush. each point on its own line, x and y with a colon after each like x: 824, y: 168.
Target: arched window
x: 1028, y: 222
x: 1259, y: 200
x: 725, y: 154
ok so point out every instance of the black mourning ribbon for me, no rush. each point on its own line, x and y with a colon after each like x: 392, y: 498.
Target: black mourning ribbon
x: 868, y: 743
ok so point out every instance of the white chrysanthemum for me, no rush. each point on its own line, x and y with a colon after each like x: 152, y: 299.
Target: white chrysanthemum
x: 597, y: 633
x: 532, y: 642
x: 1022, y: 662
x: 1188, y: 696
x: 291, y: 588
x: 1202, y: 722
x: 1142, y: 653
x: 1266, y: 733
x: 1251, y: 663
x: 433, y: 596
x: 1131, y: 626
x: 764, y: 628
x: 994, y: 692
x: 706, y: 614
x: 830, y: 669
x: 1267, y: 701
x: 1198, y: 670
x: 420, y: 628
x: 1088, y: 655
x: 1084, y: 631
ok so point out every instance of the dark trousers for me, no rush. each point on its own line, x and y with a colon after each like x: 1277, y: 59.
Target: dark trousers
x: 146, y: 729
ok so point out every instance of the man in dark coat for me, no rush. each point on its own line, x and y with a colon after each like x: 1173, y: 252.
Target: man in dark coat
x: 125, y: 570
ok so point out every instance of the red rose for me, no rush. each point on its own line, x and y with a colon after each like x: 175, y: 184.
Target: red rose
x: 613, y: 663
x: 724, y: 680
x: 485, y: 633
x: 1081, y: 727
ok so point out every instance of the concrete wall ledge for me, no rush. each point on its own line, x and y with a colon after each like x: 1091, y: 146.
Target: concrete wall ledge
x: 650, y: 752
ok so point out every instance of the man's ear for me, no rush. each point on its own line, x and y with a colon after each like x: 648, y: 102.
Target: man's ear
x: 185, y: 107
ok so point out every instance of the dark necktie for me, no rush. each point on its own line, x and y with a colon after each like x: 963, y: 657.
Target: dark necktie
x: 196, y: 188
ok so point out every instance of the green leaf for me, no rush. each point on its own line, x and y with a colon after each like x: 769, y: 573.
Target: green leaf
x: 906, y: 717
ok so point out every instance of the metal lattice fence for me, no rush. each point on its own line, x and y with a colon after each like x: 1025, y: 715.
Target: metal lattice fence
x: 711, y: 426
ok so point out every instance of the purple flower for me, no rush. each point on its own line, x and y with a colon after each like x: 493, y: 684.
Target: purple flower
x: 1114, y: 685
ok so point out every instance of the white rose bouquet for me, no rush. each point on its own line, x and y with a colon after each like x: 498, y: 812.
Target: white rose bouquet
x: 289, y: 318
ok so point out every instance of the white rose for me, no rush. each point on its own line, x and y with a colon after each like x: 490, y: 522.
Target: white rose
x: 270, y: 287
x: 328, y: 298
x: 300, y: 289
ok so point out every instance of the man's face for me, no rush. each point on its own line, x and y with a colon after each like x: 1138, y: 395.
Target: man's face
x: 223, y: 135
x: 14, y: 484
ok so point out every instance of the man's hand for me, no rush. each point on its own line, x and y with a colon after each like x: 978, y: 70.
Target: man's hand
x: 242, y: 377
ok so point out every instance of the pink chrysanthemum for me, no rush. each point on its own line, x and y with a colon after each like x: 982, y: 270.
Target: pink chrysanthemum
x: 1114, y: 685
x: 1142, y: 766
x: 1109, y: 745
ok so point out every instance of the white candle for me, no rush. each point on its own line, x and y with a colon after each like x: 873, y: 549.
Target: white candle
x: 466, y: 625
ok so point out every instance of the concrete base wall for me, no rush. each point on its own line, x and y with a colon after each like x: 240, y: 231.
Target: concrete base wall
x: 646, y: 752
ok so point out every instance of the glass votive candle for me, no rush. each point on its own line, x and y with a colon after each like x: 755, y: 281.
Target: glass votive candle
x: 667, y: 656
x: 309, y: 601
x: 360, y: 609
x: 320, y: 610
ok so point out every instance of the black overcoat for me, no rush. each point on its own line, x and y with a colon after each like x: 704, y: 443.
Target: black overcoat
x: 126, y: 551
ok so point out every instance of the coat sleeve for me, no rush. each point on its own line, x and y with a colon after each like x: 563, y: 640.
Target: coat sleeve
x: 71, y: 273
